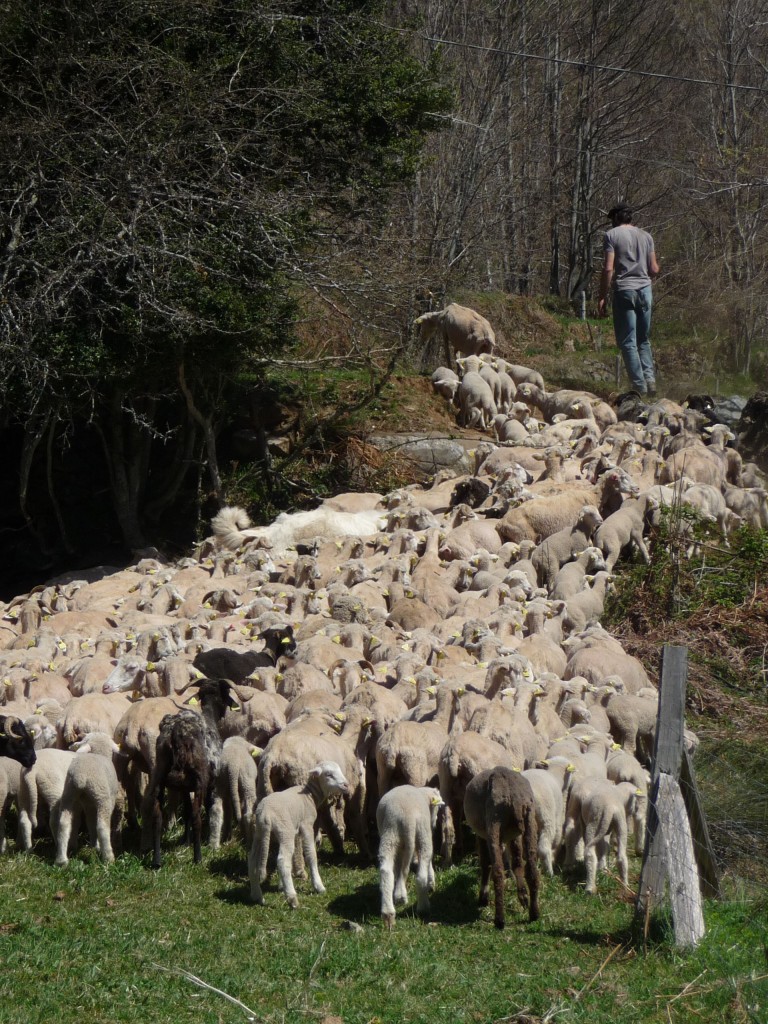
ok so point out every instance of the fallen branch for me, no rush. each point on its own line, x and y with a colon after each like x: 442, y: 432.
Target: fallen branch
x: 251, y: 1014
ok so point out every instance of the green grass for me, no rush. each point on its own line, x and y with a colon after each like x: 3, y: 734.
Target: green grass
x: 105, y: 945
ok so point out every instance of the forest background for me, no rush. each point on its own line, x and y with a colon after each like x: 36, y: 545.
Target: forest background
x: 205, y: 204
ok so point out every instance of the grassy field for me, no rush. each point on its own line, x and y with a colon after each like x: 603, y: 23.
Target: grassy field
x: 109, y: 945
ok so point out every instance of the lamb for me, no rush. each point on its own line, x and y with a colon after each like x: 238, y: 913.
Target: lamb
x: 549, y: 795
x: 283, y: 818
x: 445, y: 382
x: 406, y: 817
x: 511, y: 428
x: 499, y: 808
x: 224, y: 663
x: 477, y: 407
x: 41, y: 788
x: 587, y: 606
x: 519, y: 374
x: 623, y: 767
x: 559, y: 548
x: 289, y: 756
x: 571, y: 577
x: 574, y: 404
x: 625, y: 527
x: 464, y: 541
x: 232, y: 528
x: 409, y: 752
x: 461, y: 329
x: 91, y: 786
x: 751, y: 503
x: 234, y: 789
x: 604, y: 810
x: 701, y: 464
x: 633, y: 721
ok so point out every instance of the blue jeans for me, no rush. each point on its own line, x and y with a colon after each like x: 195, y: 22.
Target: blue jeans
x: 632, y: 325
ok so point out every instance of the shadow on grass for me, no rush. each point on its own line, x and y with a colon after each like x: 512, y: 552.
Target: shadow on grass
x: 453, y: 903
x: 360, y: 905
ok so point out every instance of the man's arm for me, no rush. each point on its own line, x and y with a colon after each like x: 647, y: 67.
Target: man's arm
x: 605, y: 283
x: 653, y: 266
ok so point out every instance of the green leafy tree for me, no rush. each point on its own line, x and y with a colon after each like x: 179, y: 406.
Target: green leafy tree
x: 169, y: 169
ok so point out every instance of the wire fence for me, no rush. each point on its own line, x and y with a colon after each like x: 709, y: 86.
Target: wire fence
x: 733, y: 784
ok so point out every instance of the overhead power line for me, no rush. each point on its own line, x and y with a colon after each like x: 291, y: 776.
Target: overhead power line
x: 595, y: 67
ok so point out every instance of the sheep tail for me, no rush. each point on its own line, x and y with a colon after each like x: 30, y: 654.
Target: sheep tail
x: 227, y: 526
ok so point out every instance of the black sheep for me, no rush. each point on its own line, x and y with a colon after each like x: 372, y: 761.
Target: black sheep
x: 224, y: 663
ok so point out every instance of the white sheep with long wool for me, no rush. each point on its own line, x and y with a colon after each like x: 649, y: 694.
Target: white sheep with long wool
x: 406, y: 818
x: 232, y: 527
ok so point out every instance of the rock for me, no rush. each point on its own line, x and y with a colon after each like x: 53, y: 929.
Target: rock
x: 752, y: 430
x: 429, y: 454
x: 729, y: 410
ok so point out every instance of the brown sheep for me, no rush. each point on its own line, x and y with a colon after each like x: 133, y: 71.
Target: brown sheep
x: 500, y: 809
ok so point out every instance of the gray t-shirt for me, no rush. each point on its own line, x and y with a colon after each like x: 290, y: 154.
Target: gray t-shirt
x: 632, y: 248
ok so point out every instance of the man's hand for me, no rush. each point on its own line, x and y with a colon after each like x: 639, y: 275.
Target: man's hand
x: 602, y: 307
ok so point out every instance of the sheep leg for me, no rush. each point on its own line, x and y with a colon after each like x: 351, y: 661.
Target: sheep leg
x: 496, y: 857
x: 62, y: 834
x: 284, y: 861
x: 92, y: 825
x: 403, y: 858
x: 197, y: 824
x: 25, y: 830
x: 103, y: 837
x: 215, y: 822
x: 115, y: 824
x: 258, y: 855
x: 310, y: 856
x: 447, y: 835
x: 516, y: 860
x: 332, y: 829
x: 425, y: 875
x: 590, y: 859
x: 529, y: 840
x: 157, y: 826
x: 386, y: 886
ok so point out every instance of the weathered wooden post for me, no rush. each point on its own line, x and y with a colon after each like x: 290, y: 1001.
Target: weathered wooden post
x: 669, y: 855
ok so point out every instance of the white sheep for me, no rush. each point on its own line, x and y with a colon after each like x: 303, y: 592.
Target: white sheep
x: 285, y: 817
x: 549, y: 792
x: 625, y: 527
x: 90, y: 786
x: 477, y: 407
x: 234, y: 796
x: 559, y: 548
x: 10, y: 782
x: 406, y: 817
x: 604, y: 811
x: 41, y: 788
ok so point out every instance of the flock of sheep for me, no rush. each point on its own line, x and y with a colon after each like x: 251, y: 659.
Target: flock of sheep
x: 413, y: 665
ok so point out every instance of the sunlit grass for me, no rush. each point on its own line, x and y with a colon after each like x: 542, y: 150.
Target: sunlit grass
x: 107, y: 944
